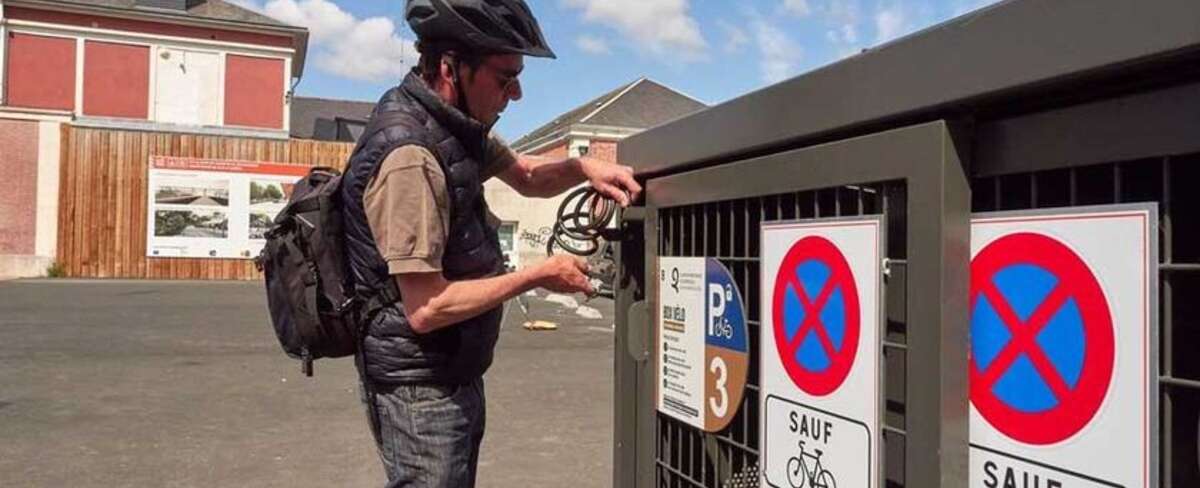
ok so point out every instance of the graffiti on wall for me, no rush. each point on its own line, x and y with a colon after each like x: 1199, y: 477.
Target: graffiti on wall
x: 536, y: 239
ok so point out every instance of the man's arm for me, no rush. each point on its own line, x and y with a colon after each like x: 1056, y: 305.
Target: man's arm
x: 432, y: 303
x: 538, y: 177
x: 407, y: 208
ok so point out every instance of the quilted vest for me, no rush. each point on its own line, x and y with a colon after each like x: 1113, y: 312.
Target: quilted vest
x: 393, y: 354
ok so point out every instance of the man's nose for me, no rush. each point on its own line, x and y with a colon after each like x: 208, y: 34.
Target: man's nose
x: 514, y: 90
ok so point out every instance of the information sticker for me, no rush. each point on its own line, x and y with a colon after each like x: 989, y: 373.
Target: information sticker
x: 703, y: 345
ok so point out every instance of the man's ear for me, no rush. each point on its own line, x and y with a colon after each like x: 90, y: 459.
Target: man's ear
x: 448, y: 69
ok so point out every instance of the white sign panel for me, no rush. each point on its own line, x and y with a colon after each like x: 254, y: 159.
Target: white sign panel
x: 1062, y: 353
x: 201, y: 208
x: 703, y: 343
x: 820, y: 355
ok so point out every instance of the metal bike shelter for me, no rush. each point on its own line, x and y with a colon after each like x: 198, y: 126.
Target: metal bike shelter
x: 1027, y: 104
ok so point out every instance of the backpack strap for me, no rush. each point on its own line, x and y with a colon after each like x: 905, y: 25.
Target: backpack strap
x: 310, y: 280
x: 305, y: 206
x: 387, y: 295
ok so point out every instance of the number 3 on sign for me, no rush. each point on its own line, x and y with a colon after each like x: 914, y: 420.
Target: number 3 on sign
x: 717, y: 367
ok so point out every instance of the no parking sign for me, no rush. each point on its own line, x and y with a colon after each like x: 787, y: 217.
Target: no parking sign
x: 821, y: 283
x: 1063, y: 346
x: 816, y: 315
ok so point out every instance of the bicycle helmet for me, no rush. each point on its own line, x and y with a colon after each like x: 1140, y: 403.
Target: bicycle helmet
x: 486, y: 26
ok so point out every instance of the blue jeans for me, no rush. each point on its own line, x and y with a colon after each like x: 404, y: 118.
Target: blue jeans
x: 428, y: 435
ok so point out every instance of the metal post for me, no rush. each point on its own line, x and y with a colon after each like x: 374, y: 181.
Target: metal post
x: 643, y: 400
x: 939, y: 255
x: 628, y: 360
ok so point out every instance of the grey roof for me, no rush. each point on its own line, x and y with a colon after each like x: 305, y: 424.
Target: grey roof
x: 639, y: 105
x: 328, y: 120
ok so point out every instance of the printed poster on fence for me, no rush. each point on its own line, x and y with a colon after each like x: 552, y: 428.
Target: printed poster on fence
x: 210, y: 208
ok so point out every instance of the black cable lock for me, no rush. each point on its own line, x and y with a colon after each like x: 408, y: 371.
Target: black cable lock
x: 584, y: 228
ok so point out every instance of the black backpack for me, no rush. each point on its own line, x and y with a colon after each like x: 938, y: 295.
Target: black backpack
x: 310, y: 291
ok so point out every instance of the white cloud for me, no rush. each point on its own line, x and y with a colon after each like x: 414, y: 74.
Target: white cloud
x: 664, y: 27
x: 592, y: 44
x: 779, y: 54
x: 841, y: 19
x: 849, y: 34
x: 797, y: 7
x: 842, y: 11
x: 735, y: 37
x: 890, y: 23
x: 367, y: 49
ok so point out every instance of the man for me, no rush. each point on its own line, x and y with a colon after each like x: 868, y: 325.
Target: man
x: 423, y: 246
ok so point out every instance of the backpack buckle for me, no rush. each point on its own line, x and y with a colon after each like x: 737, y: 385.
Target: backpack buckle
x: 350, y: 302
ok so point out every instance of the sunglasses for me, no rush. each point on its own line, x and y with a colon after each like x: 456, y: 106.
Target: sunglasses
x: 506, y: 78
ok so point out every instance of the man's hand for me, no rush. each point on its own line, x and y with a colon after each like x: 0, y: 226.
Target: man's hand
x: 611, y: 180
x: 564, y: 274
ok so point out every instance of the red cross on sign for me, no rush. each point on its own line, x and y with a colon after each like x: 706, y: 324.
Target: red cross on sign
x: 1042, y: 346
x: 816, y: 315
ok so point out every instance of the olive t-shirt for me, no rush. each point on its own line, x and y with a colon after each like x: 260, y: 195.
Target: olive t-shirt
x: 408, y: 205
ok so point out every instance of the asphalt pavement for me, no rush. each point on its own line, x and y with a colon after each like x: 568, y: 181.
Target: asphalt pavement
x: 182, y: 384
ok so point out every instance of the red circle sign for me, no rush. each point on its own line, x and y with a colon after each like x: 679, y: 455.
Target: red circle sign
x: 1042, y: 346
x: 816, y: 315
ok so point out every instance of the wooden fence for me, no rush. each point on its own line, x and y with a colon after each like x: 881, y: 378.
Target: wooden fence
x: 103, y: 203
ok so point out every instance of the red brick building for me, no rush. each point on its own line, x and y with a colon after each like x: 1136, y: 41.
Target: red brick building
x: 178, y: 66
x: 189, y: 63
x: 594, y: 128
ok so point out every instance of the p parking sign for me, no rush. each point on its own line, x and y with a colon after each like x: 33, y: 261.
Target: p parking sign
x: 703, y: 345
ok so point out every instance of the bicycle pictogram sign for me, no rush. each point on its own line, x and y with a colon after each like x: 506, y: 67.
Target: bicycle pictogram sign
x: 1042, y: 340
x: 803, y: 474
x: 815, y: 308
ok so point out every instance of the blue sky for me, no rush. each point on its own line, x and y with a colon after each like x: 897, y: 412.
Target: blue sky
x: 713, y: 50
